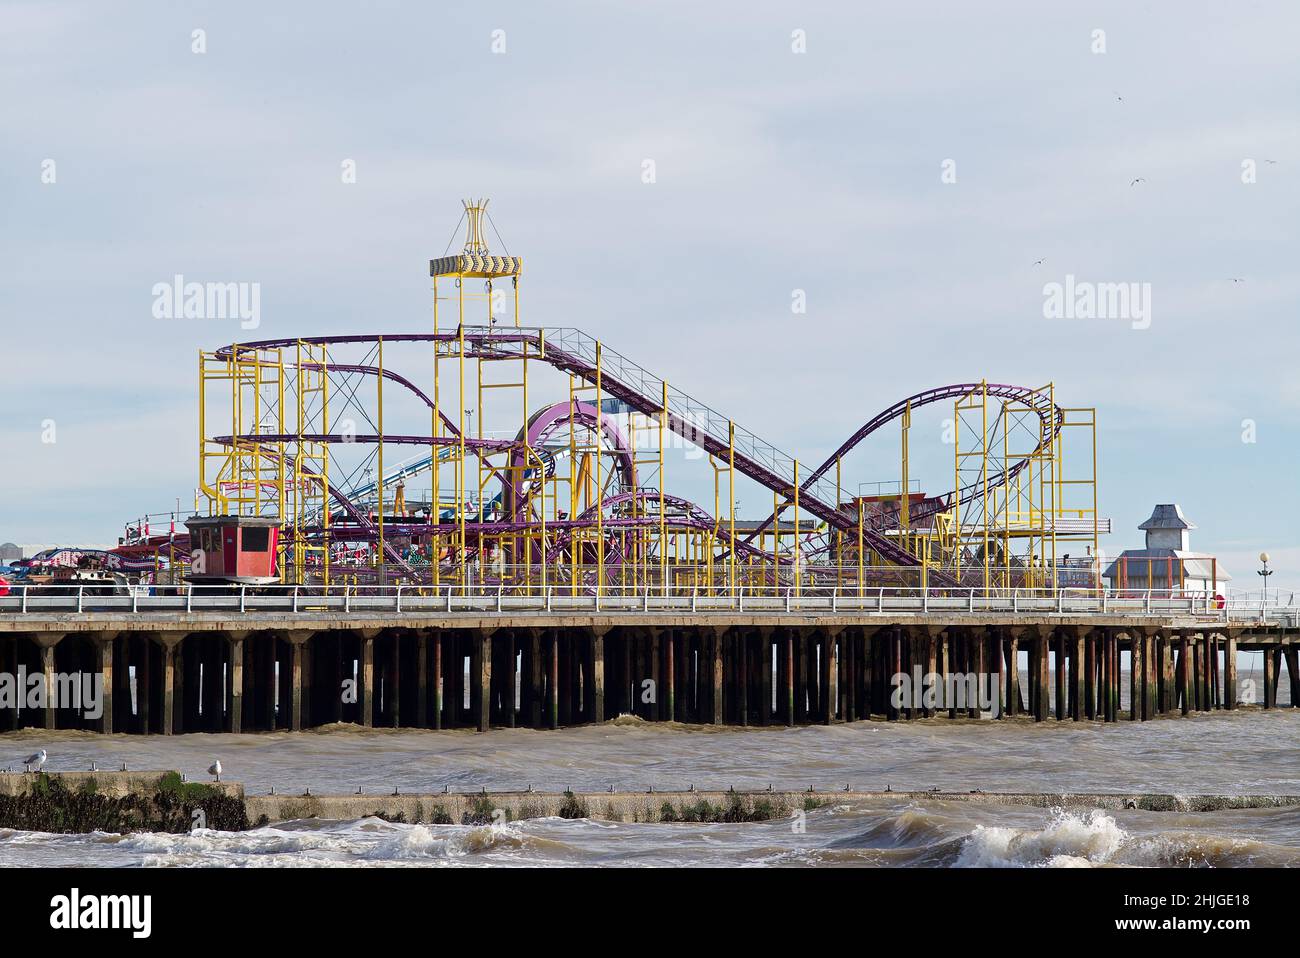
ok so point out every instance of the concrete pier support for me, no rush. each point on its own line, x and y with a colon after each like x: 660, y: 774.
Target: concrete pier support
x: 295, y: 715
x: 788, y: 675
x: 670, y: 674
x: 144, y: 684
x: 1230, y: 672
x: 1042, y: 679
x: 1062, y: 692
x: 481, y: 678
x: 368, y: 680
x: 1013, y: 669
x: 975, y: 663
x: 1135, y: 676
x: 1210, y: 697
x: 717, y: 642
x: 390, y: 676
x: 654, y: 643
x: 1089, y: 673
x: 1184, y: 675
x: 1077, y: 670
x: 47, y: 670
x: 104, y: 665
x: 298, y: 685
x: 1103, y: 674
x: 422, y: 679
x: 537, y: 677
x: 181, y: 700
x: 868, y: 674
x: 170, y: 684
x: 828, y: 674
x: 844, y: 680
x: 553, y: 684
x: 508, y: 683
x: 598, y: 673
x: 1117, y: 677
x: 1168, y: 694
x: 802, y: 676
x: 763, y: 665
x: 1216, y: 672
x: 1195, y: 666
x: 567, y: 677
x: 1270, y: 679
x: 990, y: 663
x: 1112, y: 676
x: 235, y: 684
x: 740, y: 643
x: 925, y: 658
x: 956, y: 661
x: 439, y: 703
x: 1199, y: 663
x: 1150, y: 673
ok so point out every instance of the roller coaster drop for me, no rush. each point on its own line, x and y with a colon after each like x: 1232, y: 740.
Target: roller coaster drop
x: 575, y: 494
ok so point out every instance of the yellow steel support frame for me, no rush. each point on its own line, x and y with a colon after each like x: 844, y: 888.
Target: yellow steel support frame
x: 379, y: 486
x: 1040, y: 504
x: 904, y: 504
x: 245, y: 475
x: 663, y: 512
x: 435, y: 455
x: 731, y: 506
x: 462, y: 550
x: 798, y: 555
x: 310, y: 498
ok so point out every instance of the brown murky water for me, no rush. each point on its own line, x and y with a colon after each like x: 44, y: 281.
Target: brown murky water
x: 1249, y: 751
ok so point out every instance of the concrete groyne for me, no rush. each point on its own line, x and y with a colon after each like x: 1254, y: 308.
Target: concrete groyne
x: 162, y: 801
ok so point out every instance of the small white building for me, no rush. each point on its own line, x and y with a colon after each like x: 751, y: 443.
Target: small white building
x: 1167, y: 562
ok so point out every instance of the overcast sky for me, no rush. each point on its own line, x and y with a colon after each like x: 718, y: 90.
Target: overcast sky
x: 775, y: 170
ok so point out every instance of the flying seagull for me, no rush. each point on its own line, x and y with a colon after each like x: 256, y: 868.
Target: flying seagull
x: 37, y: 759
x: 215, y: 769
x: 1270, y: 162
x: 1117, y: 96
x: 1236, y: 279
x: 1140, y: 179
x: 1040, y: 262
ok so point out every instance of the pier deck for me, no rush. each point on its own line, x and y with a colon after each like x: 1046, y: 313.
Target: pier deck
x: 237, y: 663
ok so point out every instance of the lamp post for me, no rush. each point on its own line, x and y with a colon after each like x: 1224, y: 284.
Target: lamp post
x: 1265, y: 572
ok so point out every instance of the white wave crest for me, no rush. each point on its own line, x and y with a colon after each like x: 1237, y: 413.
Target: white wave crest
x: 1068, y: 840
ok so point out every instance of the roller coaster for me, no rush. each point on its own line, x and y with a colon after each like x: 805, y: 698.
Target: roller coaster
x: 493, y: 488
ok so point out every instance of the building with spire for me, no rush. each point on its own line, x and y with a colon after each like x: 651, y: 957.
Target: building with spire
x: 1167, y: 562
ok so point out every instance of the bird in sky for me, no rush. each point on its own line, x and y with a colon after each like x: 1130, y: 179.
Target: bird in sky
x: 1118, y: 98
x: 38, y: 759
x: 1271, y: 162
x: 1236, y: 279
x: 1140, y: 179
x: 215, y: 769
x: 1040, y: 262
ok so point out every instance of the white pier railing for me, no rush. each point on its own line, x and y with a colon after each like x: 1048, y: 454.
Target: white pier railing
x: 346, y: 600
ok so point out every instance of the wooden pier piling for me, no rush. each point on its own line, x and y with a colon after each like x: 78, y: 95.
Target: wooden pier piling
x: 183, y: 679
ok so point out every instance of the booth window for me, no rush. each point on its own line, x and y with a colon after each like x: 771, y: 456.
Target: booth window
x: 256, y: 540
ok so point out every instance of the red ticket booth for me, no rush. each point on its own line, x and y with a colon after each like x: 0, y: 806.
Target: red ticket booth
x: 235, y: 549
